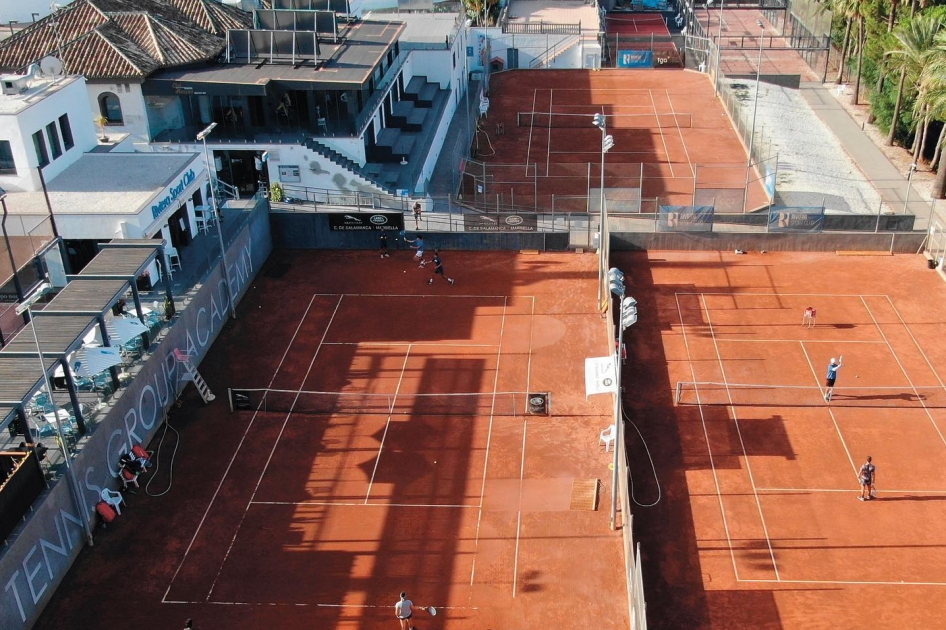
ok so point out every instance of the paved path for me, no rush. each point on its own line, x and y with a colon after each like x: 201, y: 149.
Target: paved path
x: 886, y: 178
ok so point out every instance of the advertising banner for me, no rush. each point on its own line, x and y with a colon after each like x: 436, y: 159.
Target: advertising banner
x: 785, y: 219
x: 499, y: 222
x: 355, y: 221
x: 685, y: 219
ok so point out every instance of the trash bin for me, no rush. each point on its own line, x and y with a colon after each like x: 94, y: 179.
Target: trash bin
x: 931, y: 263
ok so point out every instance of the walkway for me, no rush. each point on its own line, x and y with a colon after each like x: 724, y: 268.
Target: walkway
x: 886, y: 178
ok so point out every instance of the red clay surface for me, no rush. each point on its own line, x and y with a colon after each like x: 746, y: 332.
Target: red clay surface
x: 649, y: 151
x: 317, y: 521
x: 642, y: 25
x: 759, y: 526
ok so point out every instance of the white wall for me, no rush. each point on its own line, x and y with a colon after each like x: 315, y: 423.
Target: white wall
x: 316, y: 171
x: 133, y: 108
x: 19, y: 128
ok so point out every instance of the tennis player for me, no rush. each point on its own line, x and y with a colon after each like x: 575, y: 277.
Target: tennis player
x: 404, y: 609
x: 418, y: 244
x: 809, y: 317
x: 867, y: 475
x: 438, y: 268
x: 833, y: 368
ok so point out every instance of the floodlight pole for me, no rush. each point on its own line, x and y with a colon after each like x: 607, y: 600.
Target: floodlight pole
x: 719, y: 44
x: 6, y: 239
x: 906, y: 199
x: 755, y: 110
x: 26, y: 307
x: 618, y: 428
x: 218, y: 218
x: 607, y: 142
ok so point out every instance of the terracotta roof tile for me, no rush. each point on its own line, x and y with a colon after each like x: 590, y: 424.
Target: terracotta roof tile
x: 126, y: 39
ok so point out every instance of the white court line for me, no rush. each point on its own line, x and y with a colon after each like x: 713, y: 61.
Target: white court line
x: 362, y: 504
x: 886, y: 490
x: 411, y: 295
x: 308, y: 604
x: 235, y: 452
x: 548, y: 147
x: 522, y: 471
x: 893, y: 353
x: 835, y: 341
x: 834, y: 420
x: 387, y: 423
x: 686, y: 151
x: 851, y: 582
x: 915, y: 342
x: 709, y: 449
x: 489, y: 437
x: 389, y: 344
x: 272, y: 451
x: 742, y: 444
x: 535, y: 93
x: 764, y: 294
x: 663, y: 139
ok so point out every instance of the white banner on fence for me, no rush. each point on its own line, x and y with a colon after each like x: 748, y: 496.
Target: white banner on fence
x: 600, y: 376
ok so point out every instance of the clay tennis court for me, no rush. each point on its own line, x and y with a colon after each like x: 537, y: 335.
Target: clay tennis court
x: 759, y: 523
x: 454, y: 492
x: 539, y: 149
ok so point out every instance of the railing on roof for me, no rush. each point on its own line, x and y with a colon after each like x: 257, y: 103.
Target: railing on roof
x: 541, y: 28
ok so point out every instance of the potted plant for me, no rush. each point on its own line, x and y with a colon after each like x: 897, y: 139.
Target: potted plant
x: 275, y: 192
x: 100, y: 122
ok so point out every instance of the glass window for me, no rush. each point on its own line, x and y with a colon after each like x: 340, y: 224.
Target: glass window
x: 7, y: 167
x: 54, y: 143
x: 66, y: 130
x: 39, y: 143
x: 111, y: 109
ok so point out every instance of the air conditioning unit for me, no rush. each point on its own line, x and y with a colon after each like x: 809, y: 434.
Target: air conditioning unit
x: 11, y: 84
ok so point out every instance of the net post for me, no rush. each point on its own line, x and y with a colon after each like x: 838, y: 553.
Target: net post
x: 679, y: 392
x: 230, y: 398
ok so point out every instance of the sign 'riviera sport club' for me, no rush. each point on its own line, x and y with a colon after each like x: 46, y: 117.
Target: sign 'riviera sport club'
x: 173, y: 193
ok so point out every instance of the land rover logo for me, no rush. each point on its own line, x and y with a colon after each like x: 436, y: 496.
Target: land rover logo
x: 514, y: 219
x: 378, y: 219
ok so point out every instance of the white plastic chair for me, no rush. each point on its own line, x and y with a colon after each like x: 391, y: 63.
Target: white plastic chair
x: 113, y: 498
x: 607, y: 438
x: 174, y: 259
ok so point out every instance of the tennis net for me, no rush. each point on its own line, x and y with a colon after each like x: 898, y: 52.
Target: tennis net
x: 746, y: 395
x: 615, y: 121
x: 462, y: 404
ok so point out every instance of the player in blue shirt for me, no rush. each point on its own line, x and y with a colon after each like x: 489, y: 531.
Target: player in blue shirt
x: 833, y: 368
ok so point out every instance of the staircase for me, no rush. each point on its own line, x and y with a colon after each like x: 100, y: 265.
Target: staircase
x: 365, y: 175
x: 191, y: 374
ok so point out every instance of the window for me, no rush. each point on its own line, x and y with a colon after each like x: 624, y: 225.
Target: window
x: 39, y: 143
x: 7, y: 167
x: 54, y: 143
x: 111, y: 109
x: 66, y: 130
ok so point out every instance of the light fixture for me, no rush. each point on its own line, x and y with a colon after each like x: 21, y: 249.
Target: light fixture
x: 202, y: 137
x: 403, y: 161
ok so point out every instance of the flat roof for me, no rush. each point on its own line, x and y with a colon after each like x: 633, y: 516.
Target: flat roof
x: 554, y: 12
x: 348, y: 63
x: 40, y: 88
x: 112, y: 183
x: 423, y: 28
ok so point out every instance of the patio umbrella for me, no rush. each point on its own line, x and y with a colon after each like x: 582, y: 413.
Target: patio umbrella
x: 127, y: 328
x: 91, y: 361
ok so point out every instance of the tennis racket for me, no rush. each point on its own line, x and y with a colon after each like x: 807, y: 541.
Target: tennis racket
x: 402, y: 232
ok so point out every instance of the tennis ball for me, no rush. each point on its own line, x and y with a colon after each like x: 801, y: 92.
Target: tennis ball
x: 405, y: 271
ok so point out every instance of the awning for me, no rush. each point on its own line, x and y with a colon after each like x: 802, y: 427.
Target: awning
x: 91, y: 361
x: 126, y: 329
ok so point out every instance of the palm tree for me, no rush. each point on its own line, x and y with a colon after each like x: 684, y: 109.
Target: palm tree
x: 915, y: 40
x: 841, y: 8
x: 933, y: 79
